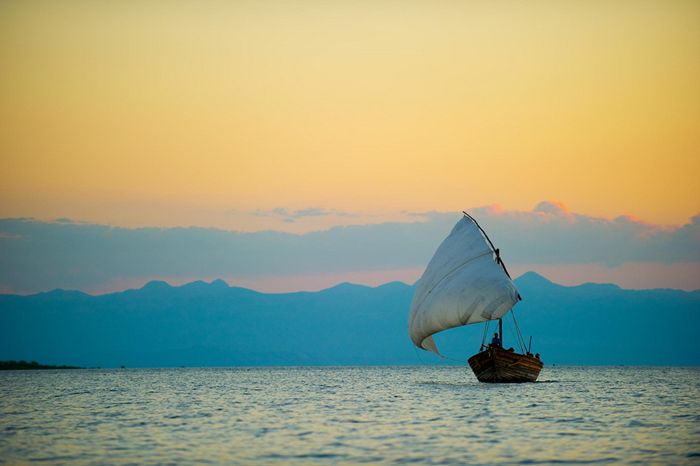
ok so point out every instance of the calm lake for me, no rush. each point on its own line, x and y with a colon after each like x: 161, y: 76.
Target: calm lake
x: 349, y: 415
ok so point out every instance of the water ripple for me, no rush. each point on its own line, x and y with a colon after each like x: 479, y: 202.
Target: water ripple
x: 409, y: 415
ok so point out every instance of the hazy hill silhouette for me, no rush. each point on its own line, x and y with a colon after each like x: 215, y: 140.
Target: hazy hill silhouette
x: 212, y: 324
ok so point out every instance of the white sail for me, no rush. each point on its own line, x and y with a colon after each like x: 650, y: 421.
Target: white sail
x: 463, y: 284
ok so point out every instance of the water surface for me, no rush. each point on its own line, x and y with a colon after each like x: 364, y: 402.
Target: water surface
x: 422, y: 415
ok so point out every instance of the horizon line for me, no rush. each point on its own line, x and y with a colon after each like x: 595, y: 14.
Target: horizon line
x: 157, y: 281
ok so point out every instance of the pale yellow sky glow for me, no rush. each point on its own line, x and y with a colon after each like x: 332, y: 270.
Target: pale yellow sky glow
x: 179, y: 113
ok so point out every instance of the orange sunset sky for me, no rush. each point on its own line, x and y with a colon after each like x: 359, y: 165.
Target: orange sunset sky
x: 215, y: 113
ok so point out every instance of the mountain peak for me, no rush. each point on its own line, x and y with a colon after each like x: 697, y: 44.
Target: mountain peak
x: 533, y: 278
x: 202, y: 285
x: 156, y: 285
x: 61, y: 293
x: 395, y: 285
x: 345, y: 287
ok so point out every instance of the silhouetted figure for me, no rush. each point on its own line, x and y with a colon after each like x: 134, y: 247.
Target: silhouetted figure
x: 496, y: 341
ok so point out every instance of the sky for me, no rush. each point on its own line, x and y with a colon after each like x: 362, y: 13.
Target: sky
x: 313, y: 116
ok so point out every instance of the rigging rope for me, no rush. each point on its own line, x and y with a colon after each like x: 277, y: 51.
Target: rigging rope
x: 521, y: 342
x: 486, y: 332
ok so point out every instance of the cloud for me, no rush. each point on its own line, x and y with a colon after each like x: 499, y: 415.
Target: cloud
x: 552, y: 234
x: 36, y: 255
x: 67, y: 220
x: 291, y: 216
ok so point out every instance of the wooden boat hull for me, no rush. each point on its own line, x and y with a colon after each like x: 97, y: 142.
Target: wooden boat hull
x: 496, y: 365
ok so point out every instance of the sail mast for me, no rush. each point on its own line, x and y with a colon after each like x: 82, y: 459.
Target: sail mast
x: 500, y: 330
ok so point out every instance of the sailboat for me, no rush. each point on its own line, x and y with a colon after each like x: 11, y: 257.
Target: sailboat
x: 465, y: 283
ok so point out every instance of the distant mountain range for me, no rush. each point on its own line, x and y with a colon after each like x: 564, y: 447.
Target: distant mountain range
x: 213, y: 324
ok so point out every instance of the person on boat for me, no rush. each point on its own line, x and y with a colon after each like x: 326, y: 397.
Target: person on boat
x: 496, y: 341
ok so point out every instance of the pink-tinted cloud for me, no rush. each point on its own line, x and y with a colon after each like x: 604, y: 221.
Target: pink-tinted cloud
x: 551, y: 233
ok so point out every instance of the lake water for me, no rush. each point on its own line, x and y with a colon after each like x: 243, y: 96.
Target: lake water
x: 395, y: 415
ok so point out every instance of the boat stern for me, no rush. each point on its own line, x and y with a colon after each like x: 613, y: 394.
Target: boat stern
x: 497, y: 365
